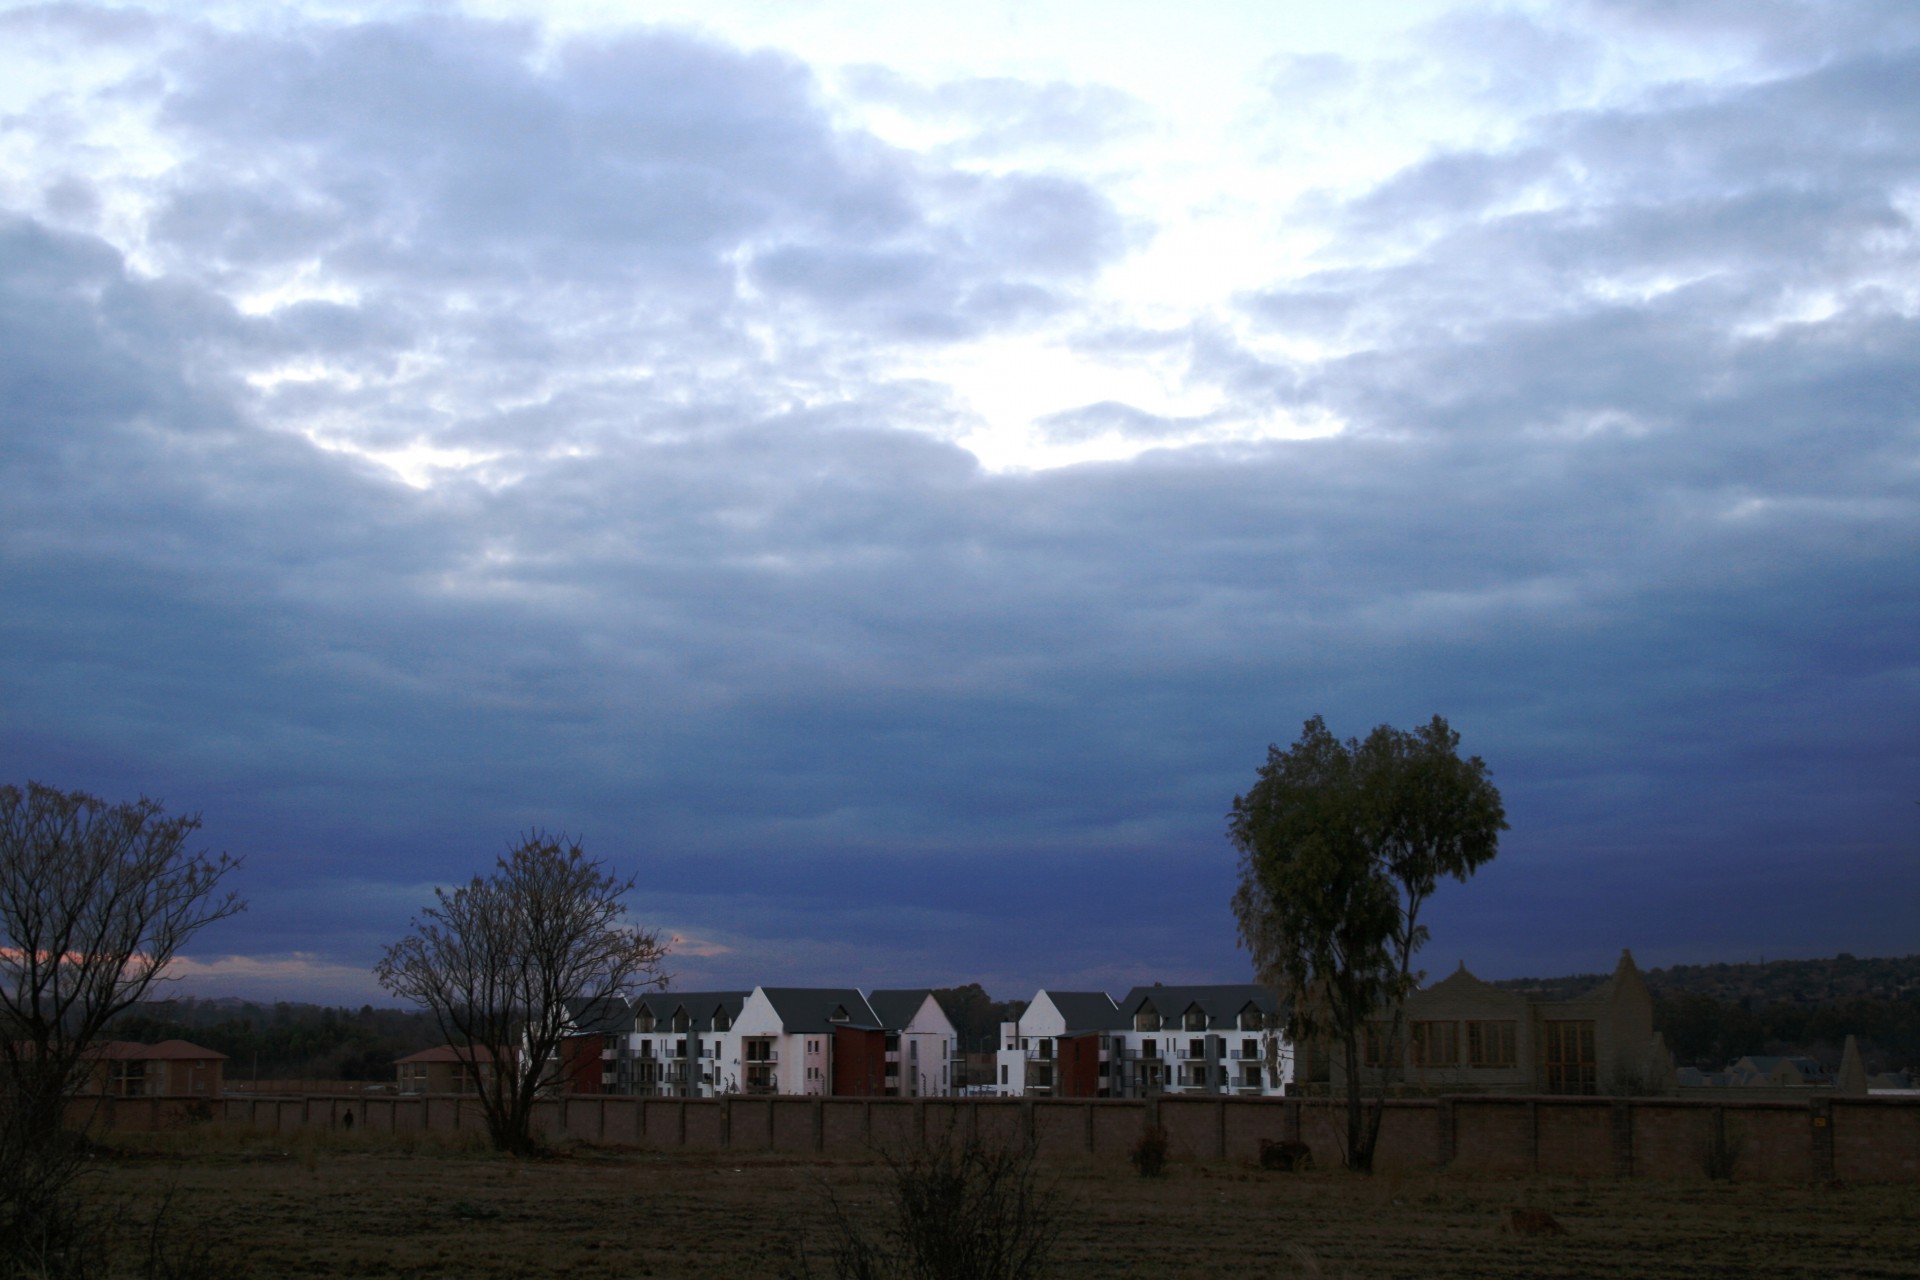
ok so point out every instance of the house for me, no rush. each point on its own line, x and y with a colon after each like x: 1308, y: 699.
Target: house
x: 1061, y: 1047
x: 1462, y: 1035
x: 596, y: 1040
x: 1763, y: 1071
x: 810, y: 1041
x: 1205, y: 1039
x: 677, y: 1044
x: 920, y: 1042
x: 170, y: 1069
x: 445, y: 1069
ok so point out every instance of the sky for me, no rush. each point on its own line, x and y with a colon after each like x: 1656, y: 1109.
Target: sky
x: 882, y: 475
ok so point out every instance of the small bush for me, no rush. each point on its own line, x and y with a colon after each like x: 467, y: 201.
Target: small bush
x: 1149, y: 1154
x: 962, y: 1209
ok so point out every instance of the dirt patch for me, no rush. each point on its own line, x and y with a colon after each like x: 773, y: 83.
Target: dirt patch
x: 369, y: 1207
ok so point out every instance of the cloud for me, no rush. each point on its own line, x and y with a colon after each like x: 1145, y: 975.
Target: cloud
x: 1625, y: 487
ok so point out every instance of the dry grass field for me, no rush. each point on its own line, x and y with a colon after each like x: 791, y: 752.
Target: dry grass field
x: 376, y: 1205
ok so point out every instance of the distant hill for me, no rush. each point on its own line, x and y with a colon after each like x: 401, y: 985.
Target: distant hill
x: 1711, y: 1014
x: 1807, y: 983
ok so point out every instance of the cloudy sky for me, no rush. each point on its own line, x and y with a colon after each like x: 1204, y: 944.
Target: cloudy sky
x: 882, y: 474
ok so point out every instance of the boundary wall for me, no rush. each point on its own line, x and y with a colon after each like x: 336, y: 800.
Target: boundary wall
x: 1820, y: 1139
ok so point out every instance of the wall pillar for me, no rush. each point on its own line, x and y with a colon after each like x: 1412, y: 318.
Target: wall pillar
x: 1821, y: 1118
x: 1623, y: 1139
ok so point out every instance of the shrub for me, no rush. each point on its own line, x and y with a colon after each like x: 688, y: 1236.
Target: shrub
x: 961, y: 1209
x: 1149, y: 1154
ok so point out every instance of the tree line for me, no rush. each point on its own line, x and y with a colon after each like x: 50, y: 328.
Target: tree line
x: 285, y: 1041
x: 1708, y: 1033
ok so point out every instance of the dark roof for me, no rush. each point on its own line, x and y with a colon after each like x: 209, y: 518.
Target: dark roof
x: 1221, y: 1004
x: 447, y: 1053
x: 607, y: 1015
x: 814, y: 1008
x: 1086, y: 1010
x: 701, y: 1006
x: 130, y: 1050
x: 895, y: 1007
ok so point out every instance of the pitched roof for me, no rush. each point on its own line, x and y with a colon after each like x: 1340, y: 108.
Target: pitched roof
x: 174, y: 1050
x: 1087, y: 1010
x: 447, y: 1053
x: 607, y: 1015
x: 815, y: 1008
x: 700, y: 1006
x: 1221, y: 1004
x: 895, y: 1007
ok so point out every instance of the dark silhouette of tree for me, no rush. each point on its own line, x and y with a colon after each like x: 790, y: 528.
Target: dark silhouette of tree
x: 500, y: 961
x: 1341, y: 845
x: 96, y: 900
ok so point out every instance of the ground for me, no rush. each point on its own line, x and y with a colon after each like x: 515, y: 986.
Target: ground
x: 305, y: 1204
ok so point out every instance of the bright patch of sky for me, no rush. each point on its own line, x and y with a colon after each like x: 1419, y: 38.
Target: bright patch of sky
x: 1232, y: 126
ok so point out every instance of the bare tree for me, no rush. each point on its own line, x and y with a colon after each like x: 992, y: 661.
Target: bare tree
x: 499, y: 961
x: 96, y: 900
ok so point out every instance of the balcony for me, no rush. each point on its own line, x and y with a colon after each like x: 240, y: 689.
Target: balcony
x: 769, y: 1058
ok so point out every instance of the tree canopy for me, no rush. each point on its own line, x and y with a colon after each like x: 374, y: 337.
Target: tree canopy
x: 1341, y: 844
x: 505, y: 960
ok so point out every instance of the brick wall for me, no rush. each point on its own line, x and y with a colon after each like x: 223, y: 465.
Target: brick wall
x: 1823, y: 1138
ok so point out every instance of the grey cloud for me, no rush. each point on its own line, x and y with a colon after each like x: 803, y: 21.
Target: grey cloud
x: 1109, y: 417
x: 728, y: 612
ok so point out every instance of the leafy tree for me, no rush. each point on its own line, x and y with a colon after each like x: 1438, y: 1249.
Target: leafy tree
x: 499, y: 961
x: 1341, y: 844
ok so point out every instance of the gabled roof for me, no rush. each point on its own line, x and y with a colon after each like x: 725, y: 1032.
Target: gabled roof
x: 896, y: 1007
x: 821, y: 1008
x: 700, y: 1007
x: 608, y: 1015
x: 447, y: 1053
x: 1221, y: 1004
x: 166, y: 1050
x: 1086, y: 1010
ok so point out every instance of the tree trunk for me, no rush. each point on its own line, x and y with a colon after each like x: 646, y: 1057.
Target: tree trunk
x: 1359, y: 1139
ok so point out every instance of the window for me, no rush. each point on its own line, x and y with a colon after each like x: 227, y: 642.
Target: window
x: 913, y: 1050
x: 1196, y: 1048
x: 1571, y: 1067
x: 1146, y: 1019
x: 1490, y: 1044
x: 1251, y: 1019
x: 1046, y: 1048
x: 1436, y: 1044
x: 1373, y: 1048
x: 1003, y: 1073
x: 1196, y: 1020
x: 1149, y: 1049
x: 721, y: 1022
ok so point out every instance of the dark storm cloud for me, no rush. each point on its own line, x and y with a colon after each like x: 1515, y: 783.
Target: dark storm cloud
x: 1627, y: 489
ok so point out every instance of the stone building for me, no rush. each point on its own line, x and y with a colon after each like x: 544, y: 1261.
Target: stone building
x: 1462, y: 1035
